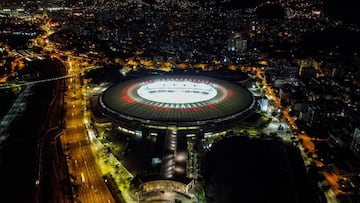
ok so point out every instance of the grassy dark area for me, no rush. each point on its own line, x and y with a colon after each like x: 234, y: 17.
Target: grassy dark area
x: 243, y: 170
x: 136, y: 152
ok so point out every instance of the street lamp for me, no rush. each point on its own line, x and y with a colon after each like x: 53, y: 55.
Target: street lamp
x: 137, y: 197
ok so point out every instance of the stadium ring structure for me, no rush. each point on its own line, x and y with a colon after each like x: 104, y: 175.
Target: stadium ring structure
x: 189, y: 103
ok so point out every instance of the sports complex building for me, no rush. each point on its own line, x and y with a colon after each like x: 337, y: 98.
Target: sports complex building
x: 189, y: 104
x: 174, y: 109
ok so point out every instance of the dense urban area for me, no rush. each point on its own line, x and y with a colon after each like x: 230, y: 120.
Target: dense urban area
x: 298, y: 141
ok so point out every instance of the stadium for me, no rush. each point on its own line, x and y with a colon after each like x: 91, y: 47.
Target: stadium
x: 188, y: 103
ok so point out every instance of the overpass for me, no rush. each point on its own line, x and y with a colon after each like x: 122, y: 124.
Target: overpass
x: 29, y: 83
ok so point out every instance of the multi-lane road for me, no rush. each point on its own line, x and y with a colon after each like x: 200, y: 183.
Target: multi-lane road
x: 87, y: 181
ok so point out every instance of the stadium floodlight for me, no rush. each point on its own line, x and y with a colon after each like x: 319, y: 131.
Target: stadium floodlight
x: 177, y: 92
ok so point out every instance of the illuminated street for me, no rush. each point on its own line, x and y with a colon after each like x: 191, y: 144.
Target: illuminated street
x: 88, y: 183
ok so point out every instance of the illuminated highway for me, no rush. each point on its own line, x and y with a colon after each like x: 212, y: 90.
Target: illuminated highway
x: 88, y: 181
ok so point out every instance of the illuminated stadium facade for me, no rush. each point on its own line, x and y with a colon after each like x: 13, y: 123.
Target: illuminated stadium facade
x: 174, y: 109
x: 188, y: 103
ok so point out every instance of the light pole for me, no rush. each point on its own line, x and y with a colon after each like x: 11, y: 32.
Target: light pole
x: 137, y: 197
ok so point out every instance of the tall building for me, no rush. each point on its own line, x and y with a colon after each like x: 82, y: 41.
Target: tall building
x: 355, y: 143
x: 238, y: 42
